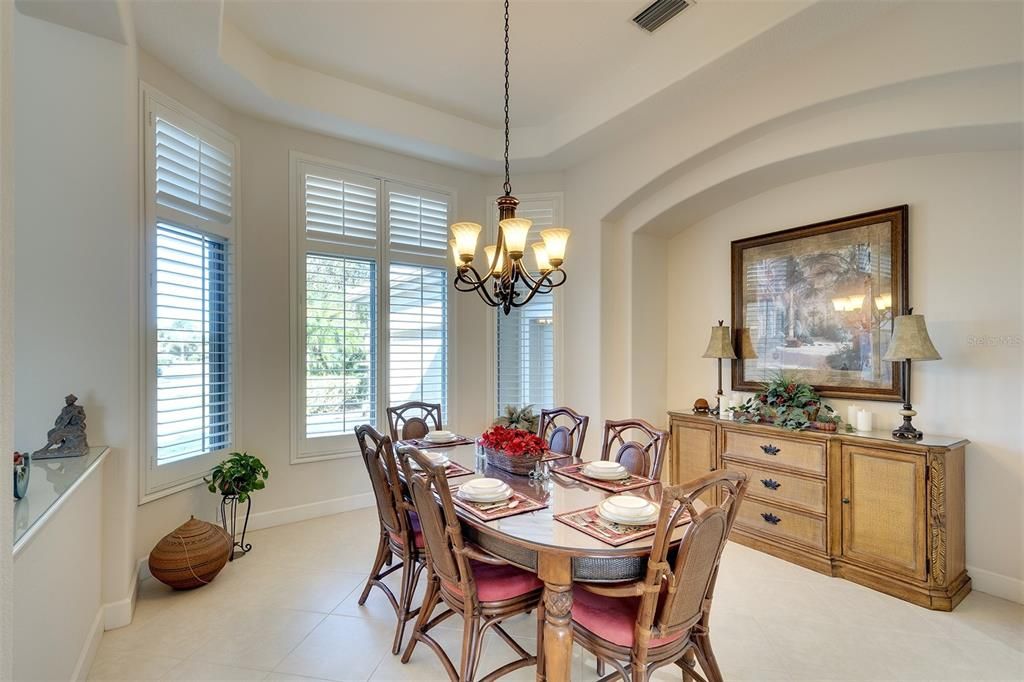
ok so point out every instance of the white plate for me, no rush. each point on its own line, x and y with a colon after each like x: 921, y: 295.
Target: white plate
x: 604, y: 465
x: 440, y: 437
x: 496, y: 496
x: 609, y: 515
x: 610, y: 475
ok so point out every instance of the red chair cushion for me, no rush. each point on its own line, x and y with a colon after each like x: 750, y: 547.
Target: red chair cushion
x: 611, y: 618
x: 497, y: 583
x: 414, y: 522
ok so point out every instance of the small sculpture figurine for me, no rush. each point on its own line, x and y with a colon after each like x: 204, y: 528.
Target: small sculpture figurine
x: 67, y: 437
x: 700, y: 406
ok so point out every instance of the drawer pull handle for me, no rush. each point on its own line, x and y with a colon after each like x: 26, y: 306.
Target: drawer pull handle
x: 846, y: 500
x: 769, y: 483
x: 769, y: 449
x: 770, y: 518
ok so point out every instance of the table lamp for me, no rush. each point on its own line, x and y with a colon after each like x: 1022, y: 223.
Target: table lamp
x: 719, y: 347
x: 910, y: 341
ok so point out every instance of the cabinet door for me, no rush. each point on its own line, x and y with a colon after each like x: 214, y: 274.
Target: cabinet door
x: 693, y: 452
x: 884, y: 509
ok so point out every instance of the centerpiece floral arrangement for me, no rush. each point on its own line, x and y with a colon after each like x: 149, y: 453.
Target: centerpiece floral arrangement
x: 788, y: 404
x: 513, y: 450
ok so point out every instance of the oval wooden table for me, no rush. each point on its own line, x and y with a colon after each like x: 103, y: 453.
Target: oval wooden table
x: 556, y: 552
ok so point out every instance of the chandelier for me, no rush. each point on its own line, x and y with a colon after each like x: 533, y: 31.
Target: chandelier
x: 507, y: 283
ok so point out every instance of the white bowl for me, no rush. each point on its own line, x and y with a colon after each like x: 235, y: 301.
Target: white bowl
x: 482, y: 496
x: 604, y: 465
x: 609, y: 514
x: 434, y: 457
x: 606, y: 473
x: 440, y: 436
x: 484, y: 485
x: 629, y: 506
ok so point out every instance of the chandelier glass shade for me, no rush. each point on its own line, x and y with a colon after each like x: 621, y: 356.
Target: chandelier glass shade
x: 508, y: 283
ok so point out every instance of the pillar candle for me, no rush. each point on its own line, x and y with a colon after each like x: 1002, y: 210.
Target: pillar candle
x: 863, y: 420
x: 851, y: 415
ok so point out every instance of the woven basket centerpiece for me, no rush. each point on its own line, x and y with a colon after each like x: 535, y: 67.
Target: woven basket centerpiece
x: 512, y: 450
x: 191, y: 555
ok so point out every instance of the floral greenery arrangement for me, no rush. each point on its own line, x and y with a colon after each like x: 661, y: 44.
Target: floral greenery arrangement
x: 240, y: 474
x: 788, y: 404
x: 521, y: 418
x: 513, y: 442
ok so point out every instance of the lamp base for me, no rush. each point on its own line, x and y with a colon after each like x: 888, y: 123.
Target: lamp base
x: 906, y: 430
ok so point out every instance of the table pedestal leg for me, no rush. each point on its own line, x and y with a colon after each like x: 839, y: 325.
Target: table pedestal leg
x: 557, y: 577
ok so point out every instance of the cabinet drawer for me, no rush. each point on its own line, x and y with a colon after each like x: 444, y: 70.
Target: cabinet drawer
x: 805, y: 529
x: 774, y: 485
x: 771, y: 449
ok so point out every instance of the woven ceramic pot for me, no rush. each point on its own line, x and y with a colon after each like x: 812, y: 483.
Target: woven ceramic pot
x: 190, y: 556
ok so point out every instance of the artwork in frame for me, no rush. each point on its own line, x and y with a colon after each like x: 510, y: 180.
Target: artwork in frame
x: 818, y: 302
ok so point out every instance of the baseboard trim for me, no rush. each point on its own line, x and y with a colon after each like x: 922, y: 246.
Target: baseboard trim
x: 304, y: 512
x: 119, y: 613
x: 92, y: 643
x: 996, y: 584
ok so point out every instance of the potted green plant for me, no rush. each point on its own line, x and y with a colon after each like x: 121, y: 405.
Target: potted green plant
x: 789, y: 404
x: 521, y: 418
x: 236, y: 478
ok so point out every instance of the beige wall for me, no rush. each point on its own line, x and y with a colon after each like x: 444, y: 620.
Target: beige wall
x: 966, y: 232
x: 296, y: 490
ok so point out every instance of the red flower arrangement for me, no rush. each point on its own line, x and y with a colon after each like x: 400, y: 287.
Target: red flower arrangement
x: 513, y: 442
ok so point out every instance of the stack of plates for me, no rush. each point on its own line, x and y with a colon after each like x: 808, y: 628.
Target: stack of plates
x: 605, y: 470
x: 629, y: 510
x: 434, y: 457
x: 440, y: 437
x: 485, y: 490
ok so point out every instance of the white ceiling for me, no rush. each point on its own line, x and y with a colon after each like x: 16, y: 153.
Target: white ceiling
x: 424, y: 77
x: 448, y: 55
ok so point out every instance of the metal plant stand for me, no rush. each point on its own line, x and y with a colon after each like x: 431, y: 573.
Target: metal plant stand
x: 229, y: 510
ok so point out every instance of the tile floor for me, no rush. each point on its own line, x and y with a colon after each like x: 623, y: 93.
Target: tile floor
x: 288, y: 611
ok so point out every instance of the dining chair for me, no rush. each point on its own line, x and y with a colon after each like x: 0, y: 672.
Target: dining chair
x: 643, y: 457
x: 564, y: 430
x: 405, y: 426
x: 400, y: 535
x: 483, y: 588
x: 639, y: 627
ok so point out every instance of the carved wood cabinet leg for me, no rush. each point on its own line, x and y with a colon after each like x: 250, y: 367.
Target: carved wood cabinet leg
x: 557, y: 633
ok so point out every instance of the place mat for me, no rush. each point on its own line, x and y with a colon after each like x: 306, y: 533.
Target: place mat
x: 423, y: 444
x: 631, y: 483
x: 590, y: 522
x: 481, y: 511
x: 552, y: 456
x: 453, y: 469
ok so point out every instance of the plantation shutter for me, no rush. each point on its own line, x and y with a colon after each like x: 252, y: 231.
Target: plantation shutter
x: 193, y: 343
x: 525, y: 342
x: 192, y: 174
x: 417, y: 221
x: 418, y: 334
x: 341, y: 210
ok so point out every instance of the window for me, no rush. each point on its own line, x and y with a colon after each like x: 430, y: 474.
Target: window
x: 358, y: 236
x: 189, y: 302
x: 525, y: 341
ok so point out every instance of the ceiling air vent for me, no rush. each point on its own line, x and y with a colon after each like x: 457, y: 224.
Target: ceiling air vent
x: 658, y: 12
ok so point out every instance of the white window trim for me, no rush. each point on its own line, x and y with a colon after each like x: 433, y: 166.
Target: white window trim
x: 188, y: 472
x: 557, y: 307
x: 343, y: 447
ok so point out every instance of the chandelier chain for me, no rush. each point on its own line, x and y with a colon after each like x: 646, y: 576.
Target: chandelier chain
x: 508, y: 180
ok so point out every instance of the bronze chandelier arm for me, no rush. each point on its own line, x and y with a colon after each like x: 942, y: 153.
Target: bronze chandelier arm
x: 479, y: 285
x: 544, y: 286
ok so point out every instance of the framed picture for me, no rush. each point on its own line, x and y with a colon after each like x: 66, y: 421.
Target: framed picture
x: 818, y: 302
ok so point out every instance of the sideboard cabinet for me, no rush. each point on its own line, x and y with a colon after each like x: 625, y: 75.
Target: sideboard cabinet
x: 884, y: 513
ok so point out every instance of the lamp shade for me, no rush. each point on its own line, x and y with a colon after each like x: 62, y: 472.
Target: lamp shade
x: 720, y: 345
x: 515, y: 231
x: 910, y: 340
x: 747, y: 351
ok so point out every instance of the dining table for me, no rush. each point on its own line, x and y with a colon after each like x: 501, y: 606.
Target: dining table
x: 558, y: 553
